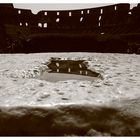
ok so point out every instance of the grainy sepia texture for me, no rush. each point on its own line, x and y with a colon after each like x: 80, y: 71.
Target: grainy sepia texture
x: 91, y: 89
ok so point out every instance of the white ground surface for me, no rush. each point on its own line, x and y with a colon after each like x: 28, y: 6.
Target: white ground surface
x: 37, y: 107
x: 18, y: 85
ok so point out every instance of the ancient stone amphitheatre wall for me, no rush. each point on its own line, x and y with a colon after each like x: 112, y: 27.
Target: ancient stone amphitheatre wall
x: 94, y: 27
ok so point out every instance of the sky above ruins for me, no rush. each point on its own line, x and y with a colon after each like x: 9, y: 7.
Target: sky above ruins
x: 36, y: 7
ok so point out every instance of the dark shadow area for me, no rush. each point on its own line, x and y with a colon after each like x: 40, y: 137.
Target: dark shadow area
x: 67, y: 121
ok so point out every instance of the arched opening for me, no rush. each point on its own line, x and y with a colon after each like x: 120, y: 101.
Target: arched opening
x: 45, y: 25
x: 88, y: 11
x: 81, y: 19
x: 19, y: 11
x: 70, y: 14
x: 58, y: 19
x: 26, y: 24
x: 101, y: 12
x: 45, y: 13
x: 102, y: 33
x: 39, y: 24
x: 58, y: 13
x: 100, y: 18
x: 82, y: 12
x: 20, y: 24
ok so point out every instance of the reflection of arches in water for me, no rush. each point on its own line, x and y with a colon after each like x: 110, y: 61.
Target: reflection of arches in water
x: 71, y: 67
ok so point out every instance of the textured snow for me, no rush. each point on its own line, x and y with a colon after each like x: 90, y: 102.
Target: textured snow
x: 24, y: 95
x: 19, y: 84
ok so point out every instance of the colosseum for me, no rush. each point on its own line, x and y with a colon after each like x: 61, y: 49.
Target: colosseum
x: 111, y: 29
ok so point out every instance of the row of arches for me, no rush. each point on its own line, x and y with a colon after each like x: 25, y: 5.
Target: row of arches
x: 23, y: 24
x: 45, y: 24
x: 39, y: 24
x: 70, y: 13
x: 84, y: 11
x: 58, y: 19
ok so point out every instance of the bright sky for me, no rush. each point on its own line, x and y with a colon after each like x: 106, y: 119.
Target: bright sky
x: 35, y: 7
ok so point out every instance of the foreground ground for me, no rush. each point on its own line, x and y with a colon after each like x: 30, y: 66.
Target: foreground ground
x: 108, y: 106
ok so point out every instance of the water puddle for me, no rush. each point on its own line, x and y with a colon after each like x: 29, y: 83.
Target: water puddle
x: 55, y: 77
x: 62, y: 70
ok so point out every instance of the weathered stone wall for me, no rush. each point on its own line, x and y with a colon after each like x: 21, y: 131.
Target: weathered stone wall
x: 100, y: 24
x: 69, y: 20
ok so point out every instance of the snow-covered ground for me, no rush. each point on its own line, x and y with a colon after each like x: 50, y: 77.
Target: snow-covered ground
x: 121, y: 74
x: 21, y: 86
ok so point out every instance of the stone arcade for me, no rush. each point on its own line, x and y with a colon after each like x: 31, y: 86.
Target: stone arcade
x: 113, y: 28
